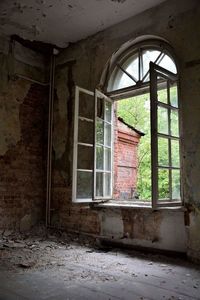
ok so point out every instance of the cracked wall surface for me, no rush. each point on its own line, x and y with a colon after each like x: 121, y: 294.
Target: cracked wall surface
x: 23, y: 115
x: 178, y: 22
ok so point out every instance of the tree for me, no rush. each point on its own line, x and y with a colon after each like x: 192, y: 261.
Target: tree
x: 136, y: 112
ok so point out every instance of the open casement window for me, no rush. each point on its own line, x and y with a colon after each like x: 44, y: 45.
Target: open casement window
x: 143, y: 79
x: 92, y: 153
x: 165, y: 142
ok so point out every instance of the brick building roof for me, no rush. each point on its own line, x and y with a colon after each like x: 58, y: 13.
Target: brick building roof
x: 131, y: 127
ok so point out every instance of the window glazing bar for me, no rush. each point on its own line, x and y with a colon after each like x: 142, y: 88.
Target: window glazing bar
x: 128, y: 74
x: 155, y: 62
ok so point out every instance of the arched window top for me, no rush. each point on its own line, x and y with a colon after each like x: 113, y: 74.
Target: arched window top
x: 132, y: 67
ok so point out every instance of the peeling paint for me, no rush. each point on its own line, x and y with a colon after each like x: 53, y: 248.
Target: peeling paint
x: 59, y: 25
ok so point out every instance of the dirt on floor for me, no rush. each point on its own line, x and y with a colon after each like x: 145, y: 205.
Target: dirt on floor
x: 85, y: 260
x: 40, y: 248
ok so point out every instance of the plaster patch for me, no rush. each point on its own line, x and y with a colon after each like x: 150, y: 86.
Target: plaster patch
x: 173, y: 232
x: 60, y: 117
x: 111, y: 223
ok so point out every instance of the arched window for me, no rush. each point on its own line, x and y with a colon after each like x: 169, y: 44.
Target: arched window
x: 141, y: 85
x: 132, y: 68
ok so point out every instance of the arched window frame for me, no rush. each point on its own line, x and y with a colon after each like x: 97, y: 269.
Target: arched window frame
x: 142, y: 86
x: 118, y: 60
x: 105, y: 95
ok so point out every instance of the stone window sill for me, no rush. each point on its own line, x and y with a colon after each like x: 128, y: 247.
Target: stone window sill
x: 135, y: 205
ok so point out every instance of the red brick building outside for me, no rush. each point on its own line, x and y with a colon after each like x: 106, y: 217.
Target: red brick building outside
x: 125, y: 159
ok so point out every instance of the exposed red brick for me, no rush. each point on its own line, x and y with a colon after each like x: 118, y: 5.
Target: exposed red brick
x: 22, y: 168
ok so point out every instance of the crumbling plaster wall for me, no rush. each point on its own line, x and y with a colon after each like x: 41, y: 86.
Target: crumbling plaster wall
x: 23, y: 107
x: 82, y: 64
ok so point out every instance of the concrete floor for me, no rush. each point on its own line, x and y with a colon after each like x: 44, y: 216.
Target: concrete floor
x: 73, y: 271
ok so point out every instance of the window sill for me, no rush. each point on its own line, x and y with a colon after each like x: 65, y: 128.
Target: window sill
x: 141, y: 205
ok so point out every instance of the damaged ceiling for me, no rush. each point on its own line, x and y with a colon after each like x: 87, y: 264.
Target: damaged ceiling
x: 63, y: 21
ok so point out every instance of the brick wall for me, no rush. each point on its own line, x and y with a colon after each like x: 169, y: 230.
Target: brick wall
x: 22, y: 168
x: 125, y: 160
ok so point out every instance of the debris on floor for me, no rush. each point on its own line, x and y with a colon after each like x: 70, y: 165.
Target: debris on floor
x: 75, y: 260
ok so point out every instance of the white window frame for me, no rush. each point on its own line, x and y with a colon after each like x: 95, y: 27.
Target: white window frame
x: 77, y: 117
x: 100, y: 95
x: 155, y: 71
x: 96, y: 95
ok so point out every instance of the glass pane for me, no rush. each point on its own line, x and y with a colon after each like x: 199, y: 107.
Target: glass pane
x: 174, y: 123
x: 107, y: 181
x: 132, y: 66
x: 162, y: 92
x: 84, y: 184
x: 107, y: 159
x: 99, y: 184
x: 168, y: 64
x: 85, y: 157
x: 176, y: 184
x: 99, y: 132
x: 100, y: 108
x: 163, y: 152
x: 99, y: 158
x: 175, y: 153
x: 86, y: 105
x: 108, y: 111
x: 136, y: 112
x: 173, y: 96
x: 85, y: 132
x: 147, y: 56
x: 107, y: 135
x: 163, y: 125
x: 124, y: 81
x: 163, y: 184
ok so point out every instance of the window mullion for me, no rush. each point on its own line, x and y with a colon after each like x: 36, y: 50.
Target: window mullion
x: 95, y: 144
x: 104, y: 142
x: 140, y: 64
x: 154, y: 137
x: 169, y: 143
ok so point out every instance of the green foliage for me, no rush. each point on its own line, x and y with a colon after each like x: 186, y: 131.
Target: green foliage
x: 136, y: 112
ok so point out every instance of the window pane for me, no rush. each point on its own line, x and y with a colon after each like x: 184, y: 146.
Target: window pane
x: 168, y: 64
x: 100, y: 108
x: 132, y: 66
x: 99, y: 184
x: 99, y: 158
x: 86, y: 105
x: 174, y: 123
x: 175, y: 153
x: 108, y: 111
x: 85, y: 132
x: 163, y: 184
x: 107, y: 181
x: 163, y: 125
x: 176, y: 184
x: 121, y: 80
x: 107, y: 135
x: 173, y: 96
x: 85, y: 157
x: 84, y: 184
x: 147, y: 56
x: 162, y: 92
x: 107, y: 159
x: 100, y: 132
x: 163, y: 152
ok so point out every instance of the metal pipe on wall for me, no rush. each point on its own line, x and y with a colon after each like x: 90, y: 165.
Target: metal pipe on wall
x: 50, y: 141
